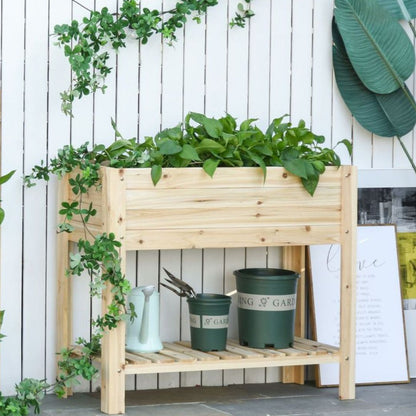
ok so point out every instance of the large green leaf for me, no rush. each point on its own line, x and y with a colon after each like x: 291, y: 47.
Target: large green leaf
x: 378, y: 47
x: 5, y: 178
x: 386, y: 115
x: 400, y: 9
x: 212, y: 126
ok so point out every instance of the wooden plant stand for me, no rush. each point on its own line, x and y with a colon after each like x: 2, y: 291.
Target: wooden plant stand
x: 188, y: 209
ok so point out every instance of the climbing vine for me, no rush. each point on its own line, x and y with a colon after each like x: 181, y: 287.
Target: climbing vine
x: 86, y: 44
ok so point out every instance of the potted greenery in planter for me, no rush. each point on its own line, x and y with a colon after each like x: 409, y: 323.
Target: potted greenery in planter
x: 206, y: 148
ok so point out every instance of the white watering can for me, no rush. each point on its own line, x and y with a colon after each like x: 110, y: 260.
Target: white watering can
x: 142, y: 334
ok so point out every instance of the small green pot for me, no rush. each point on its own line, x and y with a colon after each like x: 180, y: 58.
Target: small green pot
x: 208, y: 314
x: 266, y: 307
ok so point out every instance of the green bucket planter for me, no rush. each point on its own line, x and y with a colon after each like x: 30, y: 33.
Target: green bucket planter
x: 266, y: 307
x: 208, y: 314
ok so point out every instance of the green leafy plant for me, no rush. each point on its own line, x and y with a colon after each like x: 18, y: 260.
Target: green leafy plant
x: 373, y: 57
x: 86, y: 43
x: 200, y: 141
x: 242, y: 14
x: 29, y: 394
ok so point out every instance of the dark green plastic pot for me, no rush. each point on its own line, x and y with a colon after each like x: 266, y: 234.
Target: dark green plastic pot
x: 208, y: 315
x: 266, y: 307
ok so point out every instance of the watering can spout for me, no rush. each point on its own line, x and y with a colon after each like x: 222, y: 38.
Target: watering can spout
x: 144, y: 328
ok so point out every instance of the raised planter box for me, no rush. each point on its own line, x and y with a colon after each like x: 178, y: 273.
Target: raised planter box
x: 235, y: 208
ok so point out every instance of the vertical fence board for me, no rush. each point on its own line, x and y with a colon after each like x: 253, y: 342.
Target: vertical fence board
x: 216, y: 61
x: 213, y: 275
x: 13, y: 30
x: 237, y: 68
x: 280, y: 58
x: 148, y: 273
x: 234, y: 259
x: 58, y: 135
x: 322, y: 72
x: 194, y: 68
x: 301, y: 60
x: 34, y: 229
x: 259, y: 67
x: 169, y: 312
x: 256, y: 257
x: 83, y: 109
x: 105, y: 104
x: 280, y: 63
x: 192, y: 267
x: 172, y: 77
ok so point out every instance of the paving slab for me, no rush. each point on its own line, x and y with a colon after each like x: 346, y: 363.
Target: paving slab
x: 274, y: 399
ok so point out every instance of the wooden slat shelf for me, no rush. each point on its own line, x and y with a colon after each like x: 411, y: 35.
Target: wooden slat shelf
x: 234, y: 356
x: 180, y: 357
x: 235, y: 208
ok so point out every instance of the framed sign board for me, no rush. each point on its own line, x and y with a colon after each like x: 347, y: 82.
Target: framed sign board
x: 380, y: 337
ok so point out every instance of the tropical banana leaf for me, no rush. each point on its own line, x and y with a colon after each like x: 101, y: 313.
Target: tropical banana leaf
x: 386, y: 115
x: 400, y: 9
x: 379, y: 49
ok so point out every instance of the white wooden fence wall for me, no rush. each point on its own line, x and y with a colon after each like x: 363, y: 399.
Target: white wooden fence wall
x: 281, y: 63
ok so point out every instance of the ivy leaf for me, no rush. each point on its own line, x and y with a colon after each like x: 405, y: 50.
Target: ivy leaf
x: 310, y: 184
x: 347, y: 144
x: 169, y: 147
x: 212, y: 126
x: 297, y: 167
x: 209, y: 145
x: 246, y: 125
x: 1, y: 215
x: 210, y: 166
x: 75, y: 260
x: 156, y: 173
x: 189, y: 153
x: 257, y: 159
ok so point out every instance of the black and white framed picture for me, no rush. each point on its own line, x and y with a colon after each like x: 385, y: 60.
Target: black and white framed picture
x: 395, y: 203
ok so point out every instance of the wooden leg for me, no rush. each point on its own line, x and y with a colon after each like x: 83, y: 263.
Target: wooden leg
x: 348, y: 293
x: 112, y: 367
x: 63, y: 295
x: 113, y: 343
x: 294, y: 259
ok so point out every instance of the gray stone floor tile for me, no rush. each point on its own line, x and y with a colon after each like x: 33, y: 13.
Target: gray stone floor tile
x: 248, y: 400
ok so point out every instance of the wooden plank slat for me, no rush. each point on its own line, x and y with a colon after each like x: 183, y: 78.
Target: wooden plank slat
x: 224, y: 238
x: 293, y: 351
x: 170, y: 217
x: 244, y: 352
x: 155, y: 357
x: 226, y: 355
x: 211, y: 198
x: 317, y: 344
x: 192, y: 178
x: 136, y: 359
x: 307, y: 349
x: 266, y: 352
x: 178, y: 356
x: 223, y: 355
x: 199, y: 355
